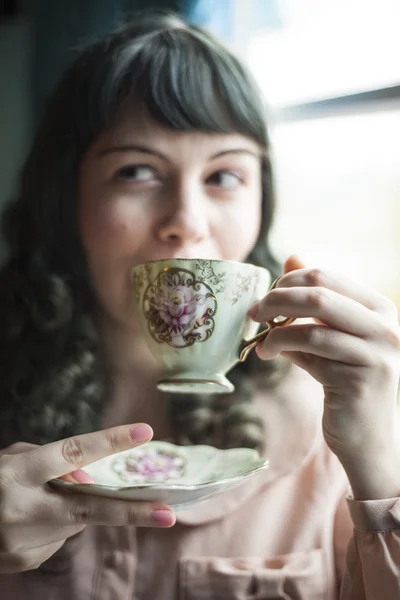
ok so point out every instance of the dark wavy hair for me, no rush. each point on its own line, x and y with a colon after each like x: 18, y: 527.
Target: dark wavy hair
x: 52, y: 381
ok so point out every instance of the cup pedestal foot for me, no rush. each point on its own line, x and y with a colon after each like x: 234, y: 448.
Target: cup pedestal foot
x: 188, y: 384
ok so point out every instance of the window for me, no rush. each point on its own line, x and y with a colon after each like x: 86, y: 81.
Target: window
x: 330, y: 71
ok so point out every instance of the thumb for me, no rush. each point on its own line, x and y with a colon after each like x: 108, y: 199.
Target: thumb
x: 18, y: 448
x: 292, y: 263
x: 78, y: 476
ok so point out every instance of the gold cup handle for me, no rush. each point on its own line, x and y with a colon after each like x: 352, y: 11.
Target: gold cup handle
x: 248, y: 345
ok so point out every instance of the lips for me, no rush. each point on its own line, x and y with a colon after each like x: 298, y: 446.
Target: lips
x: 180, y: 255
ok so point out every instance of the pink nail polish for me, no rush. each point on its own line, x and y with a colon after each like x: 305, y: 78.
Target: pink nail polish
x: 140, y: 433
x: 81, y: 476
x: 163, y: 517
x: 254, y: 310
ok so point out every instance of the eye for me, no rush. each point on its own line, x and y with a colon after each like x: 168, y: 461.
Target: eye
x: 140, y: 173
x: 228, y: 180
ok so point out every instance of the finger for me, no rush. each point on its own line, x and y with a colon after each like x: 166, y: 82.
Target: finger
x: 27, y: 537
x: 318, y: 340
x: 59, y: 458
x: 326, y: 372
x: 66, y: 509
x: 306, y: 277
x: 307, y: 362
x: 53, y: 536
x: 27, y: 561
x: 329, y: 307
x: 18, y: 448
x: 292, y: 263
x: 78, y: 476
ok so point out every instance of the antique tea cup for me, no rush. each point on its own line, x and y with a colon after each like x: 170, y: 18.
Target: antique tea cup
x: 193, y: 313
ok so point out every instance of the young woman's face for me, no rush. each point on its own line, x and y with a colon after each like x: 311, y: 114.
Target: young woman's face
x: 147, y: 192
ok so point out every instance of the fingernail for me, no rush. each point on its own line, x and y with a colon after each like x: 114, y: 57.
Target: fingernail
x: 163, y: 517
x: 254, y: 310
x: 141, y: 433
x: 81, y: 476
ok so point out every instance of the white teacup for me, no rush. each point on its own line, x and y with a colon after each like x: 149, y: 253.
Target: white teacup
x: 193, y: 313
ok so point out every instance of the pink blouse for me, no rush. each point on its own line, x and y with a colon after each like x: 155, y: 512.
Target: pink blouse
x: 291, y: 532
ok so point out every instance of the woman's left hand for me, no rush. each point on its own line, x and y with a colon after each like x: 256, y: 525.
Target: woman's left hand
x: 352, y: 347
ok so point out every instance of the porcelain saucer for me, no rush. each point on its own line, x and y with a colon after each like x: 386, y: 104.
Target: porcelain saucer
x: 179, y: 476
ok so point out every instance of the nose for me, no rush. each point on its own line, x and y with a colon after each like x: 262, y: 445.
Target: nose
x: 185, y: 220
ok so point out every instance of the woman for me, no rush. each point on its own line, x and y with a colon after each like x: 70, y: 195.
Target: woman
x: 153, y: 146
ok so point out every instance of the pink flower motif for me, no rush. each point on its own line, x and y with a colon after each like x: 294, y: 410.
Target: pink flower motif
x: 179, y: 307
x: 149, y: 465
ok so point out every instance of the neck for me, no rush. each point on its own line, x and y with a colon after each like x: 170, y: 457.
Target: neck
x: 132, y: 377
x: 125, y: 352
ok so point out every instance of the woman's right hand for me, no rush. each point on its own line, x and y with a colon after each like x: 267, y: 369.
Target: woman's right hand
x: 35, y: 520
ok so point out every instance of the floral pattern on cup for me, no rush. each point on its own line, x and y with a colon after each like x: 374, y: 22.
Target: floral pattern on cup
x: 149, y: 465
x: 141, y: 278
x: 244, y: 283
x: 206, y: 271
x: 179, y: 308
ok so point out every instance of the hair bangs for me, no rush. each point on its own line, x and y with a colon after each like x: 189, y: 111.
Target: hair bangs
x: 183, y: 80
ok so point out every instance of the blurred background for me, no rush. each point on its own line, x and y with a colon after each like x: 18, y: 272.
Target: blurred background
x: 330, y: 72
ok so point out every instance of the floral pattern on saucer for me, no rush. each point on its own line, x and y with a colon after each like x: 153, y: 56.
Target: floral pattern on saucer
x: 179, y: 308
x: 149, y: 465
x: 180, y: 476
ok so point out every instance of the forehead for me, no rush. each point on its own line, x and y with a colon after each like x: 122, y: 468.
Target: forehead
x: 140, y: 127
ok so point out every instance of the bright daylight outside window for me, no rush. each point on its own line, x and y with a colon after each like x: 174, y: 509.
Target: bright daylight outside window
x: 330, y: 70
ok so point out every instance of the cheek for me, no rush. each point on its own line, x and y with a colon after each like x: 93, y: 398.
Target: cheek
x: 112, y: 233
x: 251, y: 221
x: 240, y: 228
x: 110, y: 228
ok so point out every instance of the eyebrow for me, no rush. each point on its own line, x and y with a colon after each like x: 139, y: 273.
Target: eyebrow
x: 148, y: 150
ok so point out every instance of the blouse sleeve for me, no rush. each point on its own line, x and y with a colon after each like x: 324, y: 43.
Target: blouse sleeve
x: 370, y: 564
